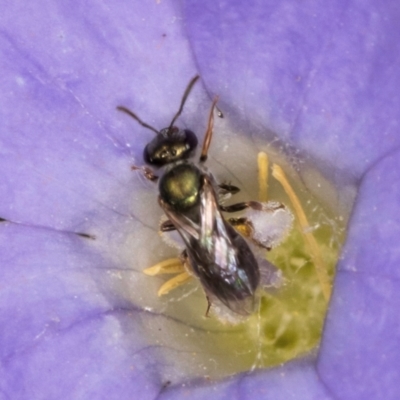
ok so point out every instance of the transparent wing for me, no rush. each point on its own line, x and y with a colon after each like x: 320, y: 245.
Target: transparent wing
x: 218, y: 255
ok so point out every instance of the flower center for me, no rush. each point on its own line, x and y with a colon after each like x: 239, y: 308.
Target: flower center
x: 288, y: 320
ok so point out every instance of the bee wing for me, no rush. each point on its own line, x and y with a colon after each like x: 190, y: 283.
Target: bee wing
x: 218, y: 255
x: 232, y: 273
x: 186, y: 227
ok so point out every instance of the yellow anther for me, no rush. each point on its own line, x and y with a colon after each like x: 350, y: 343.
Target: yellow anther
x: 173, y: 283
x: 262, y: 161
x: 170, y: 266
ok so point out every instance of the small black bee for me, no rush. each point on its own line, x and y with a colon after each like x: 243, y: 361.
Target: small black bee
x: 189, y: 195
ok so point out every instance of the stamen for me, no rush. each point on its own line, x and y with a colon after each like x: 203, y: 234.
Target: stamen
x: 319, y: 263
x: 170, y: 266
x: 173, y: 283
x: 262, y: 161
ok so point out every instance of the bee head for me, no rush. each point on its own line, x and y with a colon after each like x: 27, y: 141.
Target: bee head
x: 170, y: 145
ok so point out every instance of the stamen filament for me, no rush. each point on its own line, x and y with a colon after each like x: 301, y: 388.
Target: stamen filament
x: 262, y: 161
x: 170, y: 266
x: 315, y: 253
x: 173, y: 283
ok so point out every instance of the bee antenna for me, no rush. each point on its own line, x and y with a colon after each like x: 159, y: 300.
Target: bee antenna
x: 134, y: 116
x: 183, y: 101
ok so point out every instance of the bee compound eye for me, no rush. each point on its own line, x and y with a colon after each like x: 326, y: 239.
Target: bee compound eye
x: 190, y: 140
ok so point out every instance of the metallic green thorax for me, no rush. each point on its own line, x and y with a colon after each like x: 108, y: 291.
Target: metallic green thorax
x: 180, y: 186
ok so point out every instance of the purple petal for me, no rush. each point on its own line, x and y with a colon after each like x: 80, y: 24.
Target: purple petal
x: 72, y: 325
x: 362, y: 337
x: 63, y: 334
x: 321, y: 75
x: 296, y: 380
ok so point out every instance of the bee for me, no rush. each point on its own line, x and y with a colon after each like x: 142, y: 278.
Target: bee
x: 214, y: 251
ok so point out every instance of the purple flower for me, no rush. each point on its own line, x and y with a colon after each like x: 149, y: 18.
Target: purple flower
x: 76, y: 313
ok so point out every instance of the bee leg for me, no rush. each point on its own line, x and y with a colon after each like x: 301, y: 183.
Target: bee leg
x: 170, y: 235
x: 243, y: 226
x: 255, y: 205
x: 167, y: 226
x: 265, y: 224
x: 208, y: 307
x: 234, y: 207
x: 262, y: 161
x: 226, y: 189
x: 147, y: 172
